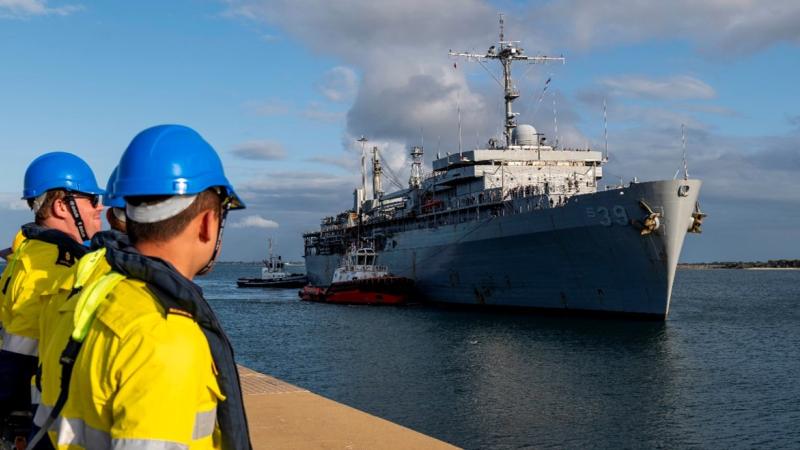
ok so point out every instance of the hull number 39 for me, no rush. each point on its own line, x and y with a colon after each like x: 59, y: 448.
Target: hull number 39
x: 608, y: 216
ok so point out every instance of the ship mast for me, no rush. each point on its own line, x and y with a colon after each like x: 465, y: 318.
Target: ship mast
x: 363, y: 141
x: 415, y: 179
x: 377, y: 188
x: 270, y: 262
x: 506, y: 53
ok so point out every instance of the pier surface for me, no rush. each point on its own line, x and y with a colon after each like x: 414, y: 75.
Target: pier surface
x: 283, y: 416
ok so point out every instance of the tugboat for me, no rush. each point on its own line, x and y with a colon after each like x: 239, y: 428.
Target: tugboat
x: 359, y: 281
x: 274, y: 275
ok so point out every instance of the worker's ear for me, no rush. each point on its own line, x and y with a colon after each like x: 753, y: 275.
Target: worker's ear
x: 208, y: 226
x: 59, y: 209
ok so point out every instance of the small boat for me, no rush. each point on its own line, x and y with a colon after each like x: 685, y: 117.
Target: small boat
x: 274, y: 275
x: 359, y: 281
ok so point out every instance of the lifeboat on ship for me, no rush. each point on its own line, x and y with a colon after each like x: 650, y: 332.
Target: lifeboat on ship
x: 360, y: 281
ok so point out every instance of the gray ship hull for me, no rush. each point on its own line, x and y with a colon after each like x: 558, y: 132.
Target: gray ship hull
x: 587, y: 255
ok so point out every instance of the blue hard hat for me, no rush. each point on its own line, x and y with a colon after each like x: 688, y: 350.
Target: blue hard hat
x: 111, y: 199
x: 59, y: 170
x: 171, y: 160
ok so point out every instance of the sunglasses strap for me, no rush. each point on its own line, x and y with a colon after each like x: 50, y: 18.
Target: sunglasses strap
x: 76, y: 216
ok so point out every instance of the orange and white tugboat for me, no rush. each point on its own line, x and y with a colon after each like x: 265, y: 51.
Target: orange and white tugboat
x: 359, y: 281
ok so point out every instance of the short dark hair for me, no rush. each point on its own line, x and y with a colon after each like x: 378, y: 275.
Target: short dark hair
x: 113, y: 221
x: 164, y: 230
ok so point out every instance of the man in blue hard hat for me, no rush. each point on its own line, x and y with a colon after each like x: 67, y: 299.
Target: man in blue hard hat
x: 115, y: 212
x: 152, y: 366
x: 62, y: 192
x: 58, y: 315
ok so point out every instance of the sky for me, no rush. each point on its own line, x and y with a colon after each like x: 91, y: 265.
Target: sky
x: 283, y: 90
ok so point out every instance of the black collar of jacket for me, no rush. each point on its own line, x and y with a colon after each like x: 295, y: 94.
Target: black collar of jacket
x: 170, y: 287
x: 109, y: 238
x: 174, y: 291
x: 69, y: 251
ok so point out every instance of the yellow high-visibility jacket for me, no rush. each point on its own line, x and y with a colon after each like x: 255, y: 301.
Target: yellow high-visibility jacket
x: 57, y: 318
x: 144, y: 378
x: 36, y: 271
x: 19, y: 238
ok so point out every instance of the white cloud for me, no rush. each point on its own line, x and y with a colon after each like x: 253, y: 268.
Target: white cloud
x: 406, y: 81
x: 315, y: 111
x: 794, y: 121
x: 676, y: 87
x: 270, y: 38
x: 712, y: 109
x: 407, y: 85
x: 732, y: 26
x: 732, y: 168
x: 254, y: 222
x: 23, y: 8
x: 296, y: 182
x: 338, y: 161
x: 339, y: 84
x: 317, y: 192
x: 268, y: 108
x: 260, y: 150
x: 11, y: 202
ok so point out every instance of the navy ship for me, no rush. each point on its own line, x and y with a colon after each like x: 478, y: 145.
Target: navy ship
x: 519, y: 223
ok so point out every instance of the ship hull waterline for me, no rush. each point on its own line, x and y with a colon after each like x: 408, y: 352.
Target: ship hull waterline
x: 289, y: 282
x: 585, y: 256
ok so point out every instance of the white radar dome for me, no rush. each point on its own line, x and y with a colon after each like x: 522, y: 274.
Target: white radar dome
x: 524, y: 135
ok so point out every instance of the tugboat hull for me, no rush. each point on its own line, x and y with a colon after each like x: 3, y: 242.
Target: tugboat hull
x: 288, y: 282
x: 388, y: 290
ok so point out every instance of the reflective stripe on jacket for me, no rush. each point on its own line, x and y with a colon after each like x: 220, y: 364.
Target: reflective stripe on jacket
x: 143, y: 379
x: 20, y: 344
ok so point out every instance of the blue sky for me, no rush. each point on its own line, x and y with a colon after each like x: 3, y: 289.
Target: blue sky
x: 282, y: 90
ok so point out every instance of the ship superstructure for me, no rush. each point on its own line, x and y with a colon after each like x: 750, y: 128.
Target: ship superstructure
x: 520, y: 222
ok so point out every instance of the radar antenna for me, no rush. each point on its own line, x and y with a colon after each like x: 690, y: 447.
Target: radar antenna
x: 502, y: 27
x: 506, y: 53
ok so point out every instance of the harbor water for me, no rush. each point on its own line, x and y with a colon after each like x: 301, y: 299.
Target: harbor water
x: 721, y: 372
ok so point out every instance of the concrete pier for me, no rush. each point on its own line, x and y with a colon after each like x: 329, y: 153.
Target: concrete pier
x: 283, y: 416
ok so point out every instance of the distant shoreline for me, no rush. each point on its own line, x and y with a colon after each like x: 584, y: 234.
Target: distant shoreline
x: 777, y: 264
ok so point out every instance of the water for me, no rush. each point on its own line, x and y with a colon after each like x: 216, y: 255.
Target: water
x: 722, y: 371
